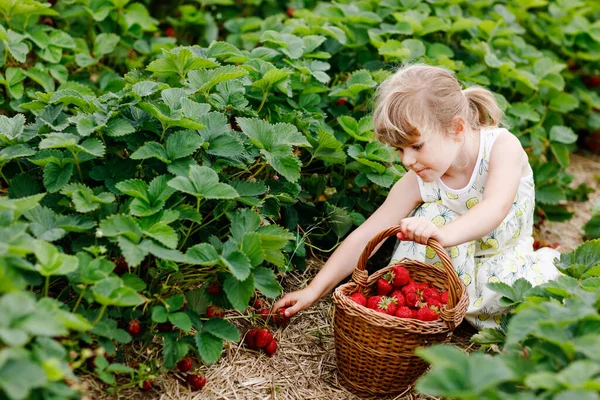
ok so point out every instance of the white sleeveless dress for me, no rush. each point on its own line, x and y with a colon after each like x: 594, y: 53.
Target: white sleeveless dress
x: 504, y: 255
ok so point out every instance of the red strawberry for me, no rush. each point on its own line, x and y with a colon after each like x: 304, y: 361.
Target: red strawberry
x: 359, y: 298
x: 420, y: 287
x: 134, y: 327
x: 170, y: 32
x: 271, y: 348
x: 275, y: 177
x: 412, y: 298
x: 185, y: 364
x: 384, y: 287
x: 260, y: 303
x: 147, y: 385
x: 427, y: 314
x: 414, y: 312
x: 280, y: 318
x: 290, y: 12
x: 431, y: 293
x: 215, y: 312
x: 592, y: 81
x: 373, y: 301
x: 341, y: 101
x: 164, y: 327
x: 397, y: 294
x: 401, y: 277
x: 263, y: 338
x: 409, y: 287
x: 213, y: 288
x: 404, y: 312
x: 250, y: 338
x: 388, y: 305
x: 444, y: 298
x: 196, y: 382
x: 264, y: 314
x: 434, y: 303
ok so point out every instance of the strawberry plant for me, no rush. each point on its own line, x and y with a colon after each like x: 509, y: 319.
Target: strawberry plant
x: 547, y: 346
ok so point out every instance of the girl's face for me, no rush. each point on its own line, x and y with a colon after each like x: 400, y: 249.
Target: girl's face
x: 432, y: 155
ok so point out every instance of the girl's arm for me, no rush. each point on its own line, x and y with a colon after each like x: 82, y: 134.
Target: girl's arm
x: 401, y: 200
x: 506, y: 163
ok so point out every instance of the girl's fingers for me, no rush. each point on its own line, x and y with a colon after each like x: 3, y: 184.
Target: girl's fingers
x: 286, y: 301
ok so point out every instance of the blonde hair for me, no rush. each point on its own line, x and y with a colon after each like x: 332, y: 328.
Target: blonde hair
x: 422, y: 98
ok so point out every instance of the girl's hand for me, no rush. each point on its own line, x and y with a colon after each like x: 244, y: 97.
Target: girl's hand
x: 420, y: 230
x: 296, y: 301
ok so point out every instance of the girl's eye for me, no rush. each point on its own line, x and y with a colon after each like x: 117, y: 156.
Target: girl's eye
x: 418, y: 146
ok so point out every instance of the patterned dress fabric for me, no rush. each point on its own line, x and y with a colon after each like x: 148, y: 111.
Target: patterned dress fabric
x: 504, y: 255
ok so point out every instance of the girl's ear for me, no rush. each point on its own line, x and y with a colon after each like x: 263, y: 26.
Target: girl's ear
x: 460, y: 128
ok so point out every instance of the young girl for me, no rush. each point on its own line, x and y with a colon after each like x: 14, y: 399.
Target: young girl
x: 469, y: 185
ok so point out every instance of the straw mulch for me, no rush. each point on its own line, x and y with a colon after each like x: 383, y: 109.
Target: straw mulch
x: 304, y: 366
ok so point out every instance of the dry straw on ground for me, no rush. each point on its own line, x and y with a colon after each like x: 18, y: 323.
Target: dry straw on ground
x: 304, y: 365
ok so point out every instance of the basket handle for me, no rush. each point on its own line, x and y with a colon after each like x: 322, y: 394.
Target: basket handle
x: 360, y: 275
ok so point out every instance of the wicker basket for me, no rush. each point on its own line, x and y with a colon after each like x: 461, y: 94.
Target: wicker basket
x: 375, y: 351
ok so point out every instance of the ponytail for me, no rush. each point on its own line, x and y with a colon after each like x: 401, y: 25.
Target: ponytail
x: 483, y: 108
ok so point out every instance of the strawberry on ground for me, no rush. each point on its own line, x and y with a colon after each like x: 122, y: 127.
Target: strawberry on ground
x: 401, y: 276
x: 185, y: 364
x: 263, y: 337
x: 359, y: 298
x: 271, y: 348
x: 404, y: 312
x: 250, y: 338
x: 196, y: 382
x: 427, y: 314
x: 147, y: 385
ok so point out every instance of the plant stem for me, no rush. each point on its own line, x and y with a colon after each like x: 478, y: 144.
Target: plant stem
x: 262, y: 103
x: 77, y: 165
x: 47, y: 286
x: 78, y: 300
x: 100, y: 315
x: 187, y: 235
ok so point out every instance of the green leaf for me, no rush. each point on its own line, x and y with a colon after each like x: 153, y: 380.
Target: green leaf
x: 209, y: 347
x: 178, y: 62
x: 57, y: 176
x: 163, y: 234
x: 159, y: 314
x: 587, y: 254
x: 239, y: 292
x: 221, y: 328
x: 562, y: 134
x: 203, y: 254
x: 182, y: 144
x: 173, y: 351
x: 51, y: 262
x: 266, y: 282
x: 203, y: 183
x: 150, y: 150
x: 133, y: 252
x: 238, y: 264
x: 549, y: 194
x: 563, y: 103
x: 113, y: 292
x: 204, y: 80
x: 117, y: 225
x: 105, y: 43
x: 19, y: 376
x: 181, y: 320
x: 118, y: 127
x: 290, y: 45
x: 592, y: 227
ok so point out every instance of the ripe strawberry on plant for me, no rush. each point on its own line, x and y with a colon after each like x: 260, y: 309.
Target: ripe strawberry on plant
x: 147, y: 385
x: 215, y: 312
x: 263, y: 338
x: 280, y: 318
x: 384, y: 287
x: 290, y: 12
x: 170, y: 32
x: 404, y: 312
x: 412, y: 299
x: 260, y: 303
x: 185, y: 364
x: 341, y: 101
x: 401, y: 276
x: 264, y: 314
x: 250, y: 338
x: 271, y: 348
x: 134, y: 327
x: 164, y: 327
x: 196, y: 382
x: 427, y: 314
x: 373, y: 301
x: 213, y: 288
x: 400, y: 301
x: 359, y: 298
